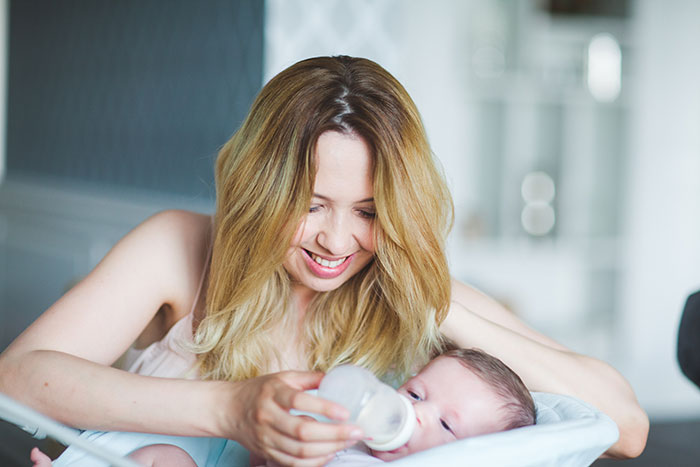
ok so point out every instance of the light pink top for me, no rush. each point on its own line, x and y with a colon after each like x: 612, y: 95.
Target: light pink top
x: 166, y: 358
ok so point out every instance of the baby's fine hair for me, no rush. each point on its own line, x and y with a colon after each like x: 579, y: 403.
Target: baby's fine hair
x: 518, y: 404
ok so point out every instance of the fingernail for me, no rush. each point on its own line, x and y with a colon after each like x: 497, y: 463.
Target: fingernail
x: 356, y: 434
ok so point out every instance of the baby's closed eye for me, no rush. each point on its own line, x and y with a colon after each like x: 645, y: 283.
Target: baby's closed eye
x: 446, y: 426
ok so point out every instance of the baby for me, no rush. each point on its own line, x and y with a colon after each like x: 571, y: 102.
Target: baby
x: 459, y: 394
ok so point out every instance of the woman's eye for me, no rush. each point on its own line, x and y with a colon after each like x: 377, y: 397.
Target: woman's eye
x: 368, y: 214
x: 314, y: 208
x: 445, y: 426
x: 413, y: 395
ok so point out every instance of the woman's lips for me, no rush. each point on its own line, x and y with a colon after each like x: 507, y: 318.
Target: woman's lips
x: 330, y: 269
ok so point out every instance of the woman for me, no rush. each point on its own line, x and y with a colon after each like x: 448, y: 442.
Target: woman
x: 328, y: 247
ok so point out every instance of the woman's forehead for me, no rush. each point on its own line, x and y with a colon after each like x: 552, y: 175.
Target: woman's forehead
x: 343, y: 167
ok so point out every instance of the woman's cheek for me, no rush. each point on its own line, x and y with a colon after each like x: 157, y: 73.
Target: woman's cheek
x: 299, y: 234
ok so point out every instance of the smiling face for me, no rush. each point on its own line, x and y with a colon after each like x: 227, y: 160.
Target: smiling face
x: 451, y: 402
x: 335, y: 240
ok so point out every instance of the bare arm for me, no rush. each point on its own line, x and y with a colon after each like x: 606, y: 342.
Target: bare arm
x: 60, y: 364
x: 475, y: 320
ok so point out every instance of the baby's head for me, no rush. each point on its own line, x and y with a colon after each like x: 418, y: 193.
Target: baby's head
x: 463, y: 393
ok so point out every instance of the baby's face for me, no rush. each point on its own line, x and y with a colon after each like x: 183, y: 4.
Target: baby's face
x: 451, y: 403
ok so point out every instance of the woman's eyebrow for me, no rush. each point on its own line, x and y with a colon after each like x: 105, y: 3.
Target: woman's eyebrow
x: 326, y: 198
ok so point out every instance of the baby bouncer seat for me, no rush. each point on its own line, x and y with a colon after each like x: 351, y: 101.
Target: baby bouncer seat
x: 567, y: 433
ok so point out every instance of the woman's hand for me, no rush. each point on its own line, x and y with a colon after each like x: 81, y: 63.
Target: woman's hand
x: 262, y: 422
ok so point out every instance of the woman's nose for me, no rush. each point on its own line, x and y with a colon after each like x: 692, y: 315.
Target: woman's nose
x: 335, y: 236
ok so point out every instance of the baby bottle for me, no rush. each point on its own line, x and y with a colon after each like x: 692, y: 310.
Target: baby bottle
x: 385, y: 416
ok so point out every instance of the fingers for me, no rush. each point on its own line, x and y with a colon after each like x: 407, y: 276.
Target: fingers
x: 305, y: 402
x: 289, y: 439
x: 298, y: 443
x: 309, y: 430
x: 276, y: 398
x: 306, y: 449
x: 302, y: 380
x: 295, y: 398
x: 301, y: 437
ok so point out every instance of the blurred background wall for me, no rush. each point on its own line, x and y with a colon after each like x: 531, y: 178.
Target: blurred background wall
x: 114, y: 110
x: 569, y: 132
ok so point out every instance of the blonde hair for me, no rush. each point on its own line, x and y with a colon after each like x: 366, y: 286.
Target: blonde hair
x: 386, y: 316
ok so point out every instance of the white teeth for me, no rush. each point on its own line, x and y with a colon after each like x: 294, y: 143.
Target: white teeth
x: 325, y: 263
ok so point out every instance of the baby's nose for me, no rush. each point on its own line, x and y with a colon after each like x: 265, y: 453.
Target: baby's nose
x: 420, y: 410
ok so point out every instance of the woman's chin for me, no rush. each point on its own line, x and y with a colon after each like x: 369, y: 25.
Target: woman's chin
x: 320, y: 285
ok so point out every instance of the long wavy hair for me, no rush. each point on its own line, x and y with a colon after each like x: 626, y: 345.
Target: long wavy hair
x: 385, y: 317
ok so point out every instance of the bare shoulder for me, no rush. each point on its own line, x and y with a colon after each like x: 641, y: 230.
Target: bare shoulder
x: 175, y: 234
x: 179, y: 225
x: 176, y: 244
x: 160, y: 262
